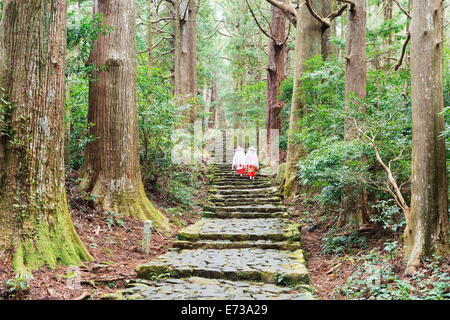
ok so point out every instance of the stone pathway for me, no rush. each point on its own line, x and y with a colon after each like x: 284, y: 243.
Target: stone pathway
x: 245, y: 248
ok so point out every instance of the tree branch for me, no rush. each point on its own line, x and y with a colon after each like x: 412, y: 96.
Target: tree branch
x: 259, y: 26
x: 287, y: 9
x: 352, y: 4
x: 163, y: 19
x: 402, y: 57
x: 402, y: 9
x: 326, y: 22
x: 397, y: 194
x: 315, y: 15
x: 333, y: 15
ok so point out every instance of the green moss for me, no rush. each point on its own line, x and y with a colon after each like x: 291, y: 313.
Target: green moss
x: 135, y: 204
x: 51, y: 240
x: 187, y: 236
x: 148, y: 271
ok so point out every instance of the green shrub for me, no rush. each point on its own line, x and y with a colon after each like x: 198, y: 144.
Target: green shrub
x: 19, y: 285
x: 340, y: 245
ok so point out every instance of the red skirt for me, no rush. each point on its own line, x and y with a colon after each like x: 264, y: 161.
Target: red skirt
x: 251, y: 171
x: 241, y: 171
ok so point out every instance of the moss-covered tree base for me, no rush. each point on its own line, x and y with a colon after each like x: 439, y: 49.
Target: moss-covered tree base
x: 288, y: 186
x: 131, y: 202
x: 49, y: 239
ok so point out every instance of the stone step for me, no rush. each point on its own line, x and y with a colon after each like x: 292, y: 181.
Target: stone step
x: 267, y: 191
x: 241, y: 186
x: 245, y: 215
x: 245, y: 201
x: 258, y: 196
x: 245, y: 183
x: 249, y: 208
x: 234, y: 178
x: 233, y: 173
x: 270, y: 266
x: 274, y: 229
x: 240, y: 180
x: 227, y: 244
x: 196, y: 288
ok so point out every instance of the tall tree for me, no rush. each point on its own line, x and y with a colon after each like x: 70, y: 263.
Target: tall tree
x: 308, y: 43
x: 35, y: 225
x: 213, y: 100
x: 111, y: 171
x: 275, y: 71
x: 328, y: 31
x: 151, y: 16
x: 355, y: 202
x: 186, y: 53
x: 427, y: 228
x: 388, y: 8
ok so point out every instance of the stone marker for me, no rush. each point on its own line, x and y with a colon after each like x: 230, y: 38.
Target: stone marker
x: 147, y: 237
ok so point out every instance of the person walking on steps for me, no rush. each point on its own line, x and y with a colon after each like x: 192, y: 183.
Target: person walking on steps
x: 239, y: 161
x: 251, y: 162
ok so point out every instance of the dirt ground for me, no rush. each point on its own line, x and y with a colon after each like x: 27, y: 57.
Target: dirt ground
x: 328, y: 272
x: 116, y: 252
x: 115, y: 249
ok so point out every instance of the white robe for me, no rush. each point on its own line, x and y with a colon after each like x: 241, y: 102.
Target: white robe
x: 251, y: 158
x: 239, y: 158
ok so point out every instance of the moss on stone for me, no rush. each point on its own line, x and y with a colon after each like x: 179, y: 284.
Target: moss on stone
x: 149, y: 271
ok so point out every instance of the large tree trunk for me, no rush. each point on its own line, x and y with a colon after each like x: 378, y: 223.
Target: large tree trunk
x: 307, y: 45
x: 355, y: 207
x: 328, y: 48
x: 213, y: 108
x: 427, y: 228
x: 186, y: 53
x: 111, y: 171
x: 275, y: 73
x: 151, y: 13
x: 388, y: 8
x: 35, y: 225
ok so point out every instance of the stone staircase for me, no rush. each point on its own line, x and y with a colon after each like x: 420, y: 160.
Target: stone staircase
x: 244, y: 248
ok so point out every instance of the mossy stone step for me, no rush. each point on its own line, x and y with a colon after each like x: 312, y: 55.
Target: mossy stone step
x: 263, y: 195
x: 197, y: 288
x: 241, y: 183
x: 243, y: 180
x: 249, y: 208
x: 241, y: 186
x: 229, y: 175
x: 274, y: 229
x: 245, y: 215
x: 243, y: 202
x: 268, y: 191
x: 228, y: 244
x: 270, y: 266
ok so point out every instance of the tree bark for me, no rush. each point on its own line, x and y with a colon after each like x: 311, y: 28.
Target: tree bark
x: 213, y: 108
x: 275, y: 73
x: 355, y: 207
x: 151, y: 14
x: 35, y: 225
x: 307, y: 45
x: 328, y: 48
x: 186, y: 53
x: 111, y: 171
x: 427, y: 228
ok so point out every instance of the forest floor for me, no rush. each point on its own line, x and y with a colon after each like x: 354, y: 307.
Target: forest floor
x: 324, y: 278
x: 366, y: 271
x: 114, y: 243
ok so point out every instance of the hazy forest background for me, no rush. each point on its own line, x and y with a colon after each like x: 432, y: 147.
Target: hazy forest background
x: 346, y: 83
